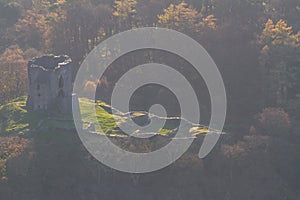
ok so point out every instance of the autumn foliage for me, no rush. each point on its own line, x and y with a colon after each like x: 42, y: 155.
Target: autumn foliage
x: 274, y: 121
x: 10, y: 147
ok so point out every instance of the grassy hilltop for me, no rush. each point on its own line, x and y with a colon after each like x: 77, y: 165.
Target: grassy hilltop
x: 16, y: 120
x: 23, y: 132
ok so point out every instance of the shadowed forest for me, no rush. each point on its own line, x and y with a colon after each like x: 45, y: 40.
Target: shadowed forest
x: 256, y: 46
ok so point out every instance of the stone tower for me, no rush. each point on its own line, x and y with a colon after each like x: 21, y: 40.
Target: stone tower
x: 50, y: 84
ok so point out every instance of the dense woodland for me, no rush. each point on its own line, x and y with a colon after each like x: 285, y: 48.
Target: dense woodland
x: 254, y: 43
x: 256, y: 46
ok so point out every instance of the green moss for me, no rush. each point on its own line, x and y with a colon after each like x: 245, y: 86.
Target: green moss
x: 164, y: 131
x: 105, y: 119
x: 14, y: 119
x: 17, y: 120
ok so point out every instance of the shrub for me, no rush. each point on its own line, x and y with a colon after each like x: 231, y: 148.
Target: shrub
x: 10, y: 147
x: 273, y: 121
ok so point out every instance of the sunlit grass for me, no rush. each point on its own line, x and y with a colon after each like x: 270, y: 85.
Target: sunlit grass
x: 15, y: 119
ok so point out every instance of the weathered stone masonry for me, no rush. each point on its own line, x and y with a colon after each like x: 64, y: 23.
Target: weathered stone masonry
x: 50, y: 84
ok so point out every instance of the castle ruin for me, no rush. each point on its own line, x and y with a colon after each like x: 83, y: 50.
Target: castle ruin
x: 50, y: 84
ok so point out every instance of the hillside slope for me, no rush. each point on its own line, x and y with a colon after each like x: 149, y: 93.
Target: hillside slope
x: 49, y: 162
x: 16, y: 120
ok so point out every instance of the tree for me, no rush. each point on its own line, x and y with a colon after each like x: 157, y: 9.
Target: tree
x: 288, y: 10
x: 180, y: 17
x: 207, y: 7
x: 125, y: 14
x: 279, y: 61
x: 273, y: 121
x: 9, y: 15
x: 30, y: 31
x: 147, y: 12
x: 77, y: 28
x: 186, y: 19
x: 13, y: 69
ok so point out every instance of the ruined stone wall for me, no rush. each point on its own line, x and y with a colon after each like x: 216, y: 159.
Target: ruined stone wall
x: 50, y: 84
